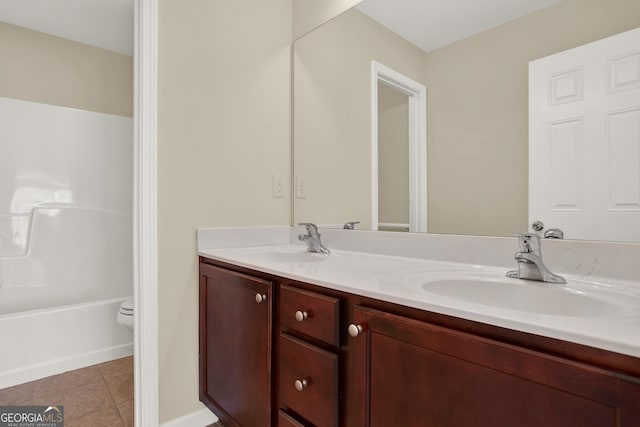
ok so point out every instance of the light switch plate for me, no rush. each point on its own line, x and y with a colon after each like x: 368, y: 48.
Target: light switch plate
x: 301, y: 187
x: 279, y: 184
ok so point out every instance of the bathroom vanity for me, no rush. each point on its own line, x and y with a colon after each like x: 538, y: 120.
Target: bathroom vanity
x: 277, y: 350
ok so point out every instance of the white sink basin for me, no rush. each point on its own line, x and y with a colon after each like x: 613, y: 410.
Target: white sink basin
x: 529, y: 296
x: 291, y: 257
x: 279, y: 255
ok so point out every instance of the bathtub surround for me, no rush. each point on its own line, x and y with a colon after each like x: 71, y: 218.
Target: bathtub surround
x: 65, y: 204
x: 58, y: 339
x: 66, y: 261
x: 40, y: 68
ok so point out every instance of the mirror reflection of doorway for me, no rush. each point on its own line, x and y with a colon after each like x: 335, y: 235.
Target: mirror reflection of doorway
x: 398, y: 151
x: 393, y: 159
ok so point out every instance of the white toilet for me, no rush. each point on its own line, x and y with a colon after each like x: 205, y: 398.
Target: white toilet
x: 125, y: 314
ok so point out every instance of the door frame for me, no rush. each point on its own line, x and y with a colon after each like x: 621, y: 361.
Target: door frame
x: 145, y: 232
x: 417, y: 94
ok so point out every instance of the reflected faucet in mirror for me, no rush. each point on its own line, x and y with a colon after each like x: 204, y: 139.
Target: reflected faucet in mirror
x: 312, y: 239
x: 554, y: 233
x: 530, y: 265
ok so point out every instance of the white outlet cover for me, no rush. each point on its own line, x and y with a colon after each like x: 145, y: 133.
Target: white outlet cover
x: 279, y: 186
x: 301, y: 187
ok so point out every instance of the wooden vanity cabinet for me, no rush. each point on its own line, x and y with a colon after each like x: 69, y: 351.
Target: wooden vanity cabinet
x: 286, y: 420
x: 308, y: 368
x: 308, y: 382
x: 236, y: 324
x: 406, y: 367
x: 418, y: 374
x: 313, y: 315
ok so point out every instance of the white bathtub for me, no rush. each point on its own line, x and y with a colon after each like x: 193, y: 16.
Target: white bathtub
x: 59, y: 298
x: 66, y: 260
x: 39, y: 343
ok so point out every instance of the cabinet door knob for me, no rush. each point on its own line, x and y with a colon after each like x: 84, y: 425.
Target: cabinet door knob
x: 260, y: 297
x: 301, y: 315
x: 301, y: 384
x: 355, y: 330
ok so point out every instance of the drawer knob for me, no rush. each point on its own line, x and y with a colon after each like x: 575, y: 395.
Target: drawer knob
x: 301, y: 315
x: 301, y: 384
x: 355, y: 330
x: 260, y: 297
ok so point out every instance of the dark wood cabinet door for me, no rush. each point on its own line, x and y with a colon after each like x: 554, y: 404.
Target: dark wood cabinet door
x: 417, y: 374
x: 235, y: 346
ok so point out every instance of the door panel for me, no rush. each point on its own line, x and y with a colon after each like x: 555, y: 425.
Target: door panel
x: 584, y: 140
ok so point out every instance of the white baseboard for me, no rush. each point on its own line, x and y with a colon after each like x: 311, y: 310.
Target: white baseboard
x: 201, y: 418
x: 54, y: 367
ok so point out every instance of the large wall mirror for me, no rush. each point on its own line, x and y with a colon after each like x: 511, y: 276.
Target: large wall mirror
x: 473, y: 59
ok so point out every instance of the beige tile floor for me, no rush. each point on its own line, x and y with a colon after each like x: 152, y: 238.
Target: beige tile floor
x: 97, y: 396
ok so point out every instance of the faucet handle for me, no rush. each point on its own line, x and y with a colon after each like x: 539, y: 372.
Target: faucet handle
x: 351, y: 225
x: 312, y: 229
x: 529, y: 242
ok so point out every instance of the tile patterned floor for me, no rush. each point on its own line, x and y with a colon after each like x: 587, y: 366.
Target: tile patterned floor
x: 97, y: 396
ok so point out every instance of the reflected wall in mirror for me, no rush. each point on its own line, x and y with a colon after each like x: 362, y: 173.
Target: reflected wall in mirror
x: 310, y: 14
x: 393, y: 152
x: 477, y: 112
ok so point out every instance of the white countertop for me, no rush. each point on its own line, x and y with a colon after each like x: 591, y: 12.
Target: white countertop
x: 612, y: 323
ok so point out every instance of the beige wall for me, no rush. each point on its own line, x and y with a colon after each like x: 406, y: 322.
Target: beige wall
x: 42, y: 68
x: 310, y: 14
x: 478, y: 114
x: 332, y: 113
x: 224, y: 129
x: 393, y: 155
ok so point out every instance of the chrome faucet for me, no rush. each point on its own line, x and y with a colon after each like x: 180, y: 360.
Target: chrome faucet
x: 530, y: 265
x: 351, y: 225
x: 312, y: 239
x: 554, y: 233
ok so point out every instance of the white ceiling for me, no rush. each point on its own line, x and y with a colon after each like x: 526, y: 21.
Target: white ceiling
x: 103, y: 23
x: 431, y: 24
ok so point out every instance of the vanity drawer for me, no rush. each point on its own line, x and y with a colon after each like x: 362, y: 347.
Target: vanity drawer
x: 310, y: 313
x: 308, y: 381
x: 286, y: 420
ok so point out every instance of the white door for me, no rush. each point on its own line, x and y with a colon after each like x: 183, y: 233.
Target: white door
x: 584, y: 140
